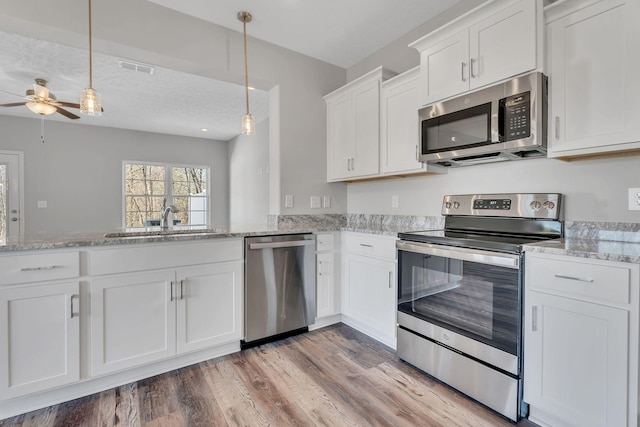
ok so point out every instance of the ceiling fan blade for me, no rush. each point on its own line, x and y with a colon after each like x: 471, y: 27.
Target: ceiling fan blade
x: 40, y: 91
x: 14, y: 94
x: 67, y: 104
x: 66, y: 113
x: 14, y: 104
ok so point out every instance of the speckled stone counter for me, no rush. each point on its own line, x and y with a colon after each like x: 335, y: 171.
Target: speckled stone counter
x: 596, y: 240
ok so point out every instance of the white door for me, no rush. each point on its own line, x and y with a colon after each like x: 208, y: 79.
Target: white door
x: 366, y: 125
x: 39, y: 338
x: 325, y: 285
x: 209, y: 309
x: 445, y: 68
x: 11, y: 223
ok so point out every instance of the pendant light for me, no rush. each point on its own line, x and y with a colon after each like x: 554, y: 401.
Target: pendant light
x: 90, y: 99
x: 248, y: 122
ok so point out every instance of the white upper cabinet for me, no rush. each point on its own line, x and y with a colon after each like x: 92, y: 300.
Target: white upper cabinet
x: 593, y: 78
x: 400, y: 126
x: 353, y: 128
x: 487, y: 45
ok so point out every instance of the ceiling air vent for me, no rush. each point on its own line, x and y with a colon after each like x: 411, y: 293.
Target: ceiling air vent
x: 142, y: 68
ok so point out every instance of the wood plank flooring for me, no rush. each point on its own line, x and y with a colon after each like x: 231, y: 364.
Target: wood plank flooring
x: 334, y: 376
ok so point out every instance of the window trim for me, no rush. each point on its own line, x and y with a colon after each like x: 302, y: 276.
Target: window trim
x: 168, y: 182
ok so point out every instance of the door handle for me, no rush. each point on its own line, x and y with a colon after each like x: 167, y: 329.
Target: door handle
x: 181, y: 289
x: 557, y: 127
x: 391, y: 280
x: 73, y: 313
x: 579, y: 279
x: 534, y: 318
x: 462, y: 71
x: 286, y: 244
x: 14, y: 219
x: 171, y: 290
x: 472, y: 62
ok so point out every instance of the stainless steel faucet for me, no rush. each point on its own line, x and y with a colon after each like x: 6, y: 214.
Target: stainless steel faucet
x: 165, y: 214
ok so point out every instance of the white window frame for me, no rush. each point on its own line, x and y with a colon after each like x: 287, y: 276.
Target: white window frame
x: 168, y: 185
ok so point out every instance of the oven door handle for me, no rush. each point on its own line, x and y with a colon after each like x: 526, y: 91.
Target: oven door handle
x: 463, y: 254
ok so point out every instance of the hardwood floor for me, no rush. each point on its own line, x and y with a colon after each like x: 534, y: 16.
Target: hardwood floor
x: 334, y: 376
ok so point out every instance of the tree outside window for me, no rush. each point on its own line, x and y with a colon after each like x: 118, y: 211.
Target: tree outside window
x: 147, y: 186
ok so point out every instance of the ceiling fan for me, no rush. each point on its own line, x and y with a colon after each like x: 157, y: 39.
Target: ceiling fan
x: 43, y: 102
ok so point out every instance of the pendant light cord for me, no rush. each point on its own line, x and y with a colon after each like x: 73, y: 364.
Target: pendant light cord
x: 90, y: 51
x: 246, y: 68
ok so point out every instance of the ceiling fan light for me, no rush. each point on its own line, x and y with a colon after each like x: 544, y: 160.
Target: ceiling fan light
x: 41, y: 108
x: 90, y: 102
x: 248, y: 125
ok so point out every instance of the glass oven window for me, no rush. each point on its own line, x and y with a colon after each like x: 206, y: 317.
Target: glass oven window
x: 477, y: 300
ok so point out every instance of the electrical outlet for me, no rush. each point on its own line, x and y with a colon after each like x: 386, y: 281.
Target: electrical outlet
x: 326, y: 201
x: 288, y: 201
x: 315, y: 202
x: 395, y: 202
x: 634, y: 199
x: 42, y: 204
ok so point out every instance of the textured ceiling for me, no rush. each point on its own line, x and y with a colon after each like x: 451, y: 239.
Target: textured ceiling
x: 340, y: 32
x: 166, y: 102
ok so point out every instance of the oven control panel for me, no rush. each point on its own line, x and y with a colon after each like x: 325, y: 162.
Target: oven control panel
x: 520, y: 205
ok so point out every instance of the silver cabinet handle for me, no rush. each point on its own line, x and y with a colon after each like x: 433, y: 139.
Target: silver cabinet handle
x: 391, y: 280
x: 319, y: 268
x: 181, y: 289
x: 14, y: 219
x: 580, y: 279
x: 43, y: 268
x: 348, y: 164
x: 366, y: 245
x: 417, y: 156
x: 462, y: 71
x: 171, y: 289
x: 73, y: 313
x: 473, y: 61
x: 557, y: 127
x: 534, y: 318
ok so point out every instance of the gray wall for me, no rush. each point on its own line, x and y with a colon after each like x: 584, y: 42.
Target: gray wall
x: 249, y: 177
x: 142, y: 31
x: 78, y: 171
x: 595, y: 190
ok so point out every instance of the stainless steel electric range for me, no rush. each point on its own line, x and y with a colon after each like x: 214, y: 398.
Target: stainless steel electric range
x: 460, y: 293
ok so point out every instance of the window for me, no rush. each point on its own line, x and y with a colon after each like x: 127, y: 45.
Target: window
x: 148, y: 186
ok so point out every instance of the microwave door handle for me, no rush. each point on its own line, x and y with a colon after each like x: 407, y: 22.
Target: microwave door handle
x: 502, y: 117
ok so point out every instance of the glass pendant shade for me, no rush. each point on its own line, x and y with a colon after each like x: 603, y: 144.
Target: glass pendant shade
x: 90, y: 102
x: 248, y: 125
x: 41, y: 108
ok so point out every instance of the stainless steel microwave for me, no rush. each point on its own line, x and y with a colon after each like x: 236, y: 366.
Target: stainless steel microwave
x: 507, y: 121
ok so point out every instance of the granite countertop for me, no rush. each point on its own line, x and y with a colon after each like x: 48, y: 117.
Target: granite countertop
x: 609, y: 250
x: 123, y: 237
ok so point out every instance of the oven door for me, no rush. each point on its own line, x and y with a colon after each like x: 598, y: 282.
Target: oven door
x: 473, y: 293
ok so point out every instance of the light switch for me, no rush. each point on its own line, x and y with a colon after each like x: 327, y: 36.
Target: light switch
x: 42, y: 204
x: 315, y: 202
x: 395, y: 201
x: 288, y: 201
x: 326, y: 202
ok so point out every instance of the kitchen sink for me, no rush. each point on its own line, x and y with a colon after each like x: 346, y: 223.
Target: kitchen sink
x: 154, y: 233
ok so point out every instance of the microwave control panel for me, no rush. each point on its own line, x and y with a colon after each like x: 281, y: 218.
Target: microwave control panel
x: 516, y: 112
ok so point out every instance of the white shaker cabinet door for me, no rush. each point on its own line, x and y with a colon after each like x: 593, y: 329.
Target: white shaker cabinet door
x: 132, y: 320
x: 39, y: 338
x: 593, y: 80
x: 209, y: 305
x: 576, y: 360
x: 444, y: 68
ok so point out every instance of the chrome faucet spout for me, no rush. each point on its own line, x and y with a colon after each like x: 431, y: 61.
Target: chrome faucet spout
x: 164, y: 221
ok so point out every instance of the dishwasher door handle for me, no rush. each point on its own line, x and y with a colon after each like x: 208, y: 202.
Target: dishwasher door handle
x: 289, y: 244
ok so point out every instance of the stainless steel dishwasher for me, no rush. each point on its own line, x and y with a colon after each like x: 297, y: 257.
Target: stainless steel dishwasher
x: 280, y: 287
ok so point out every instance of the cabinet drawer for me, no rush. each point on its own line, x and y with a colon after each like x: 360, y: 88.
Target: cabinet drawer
x: 370, y: 245
x: 157, y: 256
x: 16, y: 269
x: 580, y: 278
x: 324, y: 242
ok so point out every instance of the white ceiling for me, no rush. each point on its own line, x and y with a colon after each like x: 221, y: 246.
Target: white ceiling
x: 341, y: 32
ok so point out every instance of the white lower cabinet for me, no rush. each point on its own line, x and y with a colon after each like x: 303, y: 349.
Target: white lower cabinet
x: 581, y: 341
x: 369, y: 286
x: 209, y: 304
x: 39, y: 338
x: 327, y: 284
x: 144, y: 317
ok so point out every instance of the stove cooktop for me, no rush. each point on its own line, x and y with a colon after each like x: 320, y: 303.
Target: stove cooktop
x: 495, y: 243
